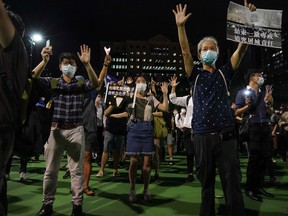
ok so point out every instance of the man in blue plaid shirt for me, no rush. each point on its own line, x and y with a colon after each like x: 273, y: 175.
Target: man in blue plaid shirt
x: 67, y: 132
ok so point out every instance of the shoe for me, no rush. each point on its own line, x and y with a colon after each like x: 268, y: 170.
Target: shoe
x: 273, y: 181
x: 132, y: 196
x: 100, y: 174
x: 67, y: 174
x: 156, y: 176
x: 88, y: 191
x: 263, y: 192
x: 77, y: 210
x: 46, y: 210
x: 116, y: 173
x: 252, y: 195
x: 190, y: 178
x: 171, y: 162
x: 23, y: 177
x: 147, y: 196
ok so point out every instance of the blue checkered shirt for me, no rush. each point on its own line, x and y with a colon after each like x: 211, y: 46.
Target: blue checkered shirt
x: 67, y: 99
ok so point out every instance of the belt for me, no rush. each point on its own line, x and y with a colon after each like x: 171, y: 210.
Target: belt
x: 65, y: 126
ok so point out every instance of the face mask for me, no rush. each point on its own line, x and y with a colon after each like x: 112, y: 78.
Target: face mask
x: 175, y: 113
x: 141, y: 87
x: 209, y: 57
x: 69, y: 70
x: 260, y: 81
x: 98, y: 99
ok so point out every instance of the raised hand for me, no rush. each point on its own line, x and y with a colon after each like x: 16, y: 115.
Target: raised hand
x: 180, y: 14
x: 164, y: 88
x: 46, y: 53
x: 173, y: 81
x: 129, y: 80
x: 250, y: 6
x: 85, y: 54
x: 107, y: 60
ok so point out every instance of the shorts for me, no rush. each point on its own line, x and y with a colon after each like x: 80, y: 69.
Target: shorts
x: 170, y: 139
x: 90, y: 140
x: 112, y: 141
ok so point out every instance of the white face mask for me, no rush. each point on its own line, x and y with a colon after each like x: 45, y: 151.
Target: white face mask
x: 175, y: 113
x: 69, y: 70
x: 98, y: 99
x: 141, y: 87
x: 260, y: 81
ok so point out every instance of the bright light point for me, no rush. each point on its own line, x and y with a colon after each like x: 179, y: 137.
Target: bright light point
x: 37, y: 37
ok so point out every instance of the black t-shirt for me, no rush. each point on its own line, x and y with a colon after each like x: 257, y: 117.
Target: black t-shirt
x: 117, y: 126
x: 14, y: 63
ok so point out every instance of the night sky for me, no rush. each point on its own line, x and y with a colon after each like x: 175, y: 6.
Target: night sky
x: 69, y: 23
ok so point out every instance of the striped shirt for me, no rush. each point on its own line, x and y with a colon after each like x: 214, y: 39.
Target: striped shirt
x: 67, y: 99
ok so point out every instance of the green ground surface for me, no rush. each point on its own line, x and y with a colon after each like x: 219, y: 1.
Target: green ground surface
x: 171, y: 195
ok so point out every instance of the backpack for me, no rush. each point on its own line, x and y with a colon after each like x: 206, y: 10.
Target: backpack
x: 160, y: 129
x: 35, y: 121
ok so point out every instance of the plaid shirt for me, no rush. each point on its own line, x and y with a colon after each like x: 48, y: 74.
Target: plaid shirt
x: 68, y: 99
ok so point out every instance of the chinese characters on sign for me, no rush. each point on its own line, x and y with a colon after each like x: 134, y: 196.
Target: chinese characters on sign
x: 115, y: 93
x: 260, y: 28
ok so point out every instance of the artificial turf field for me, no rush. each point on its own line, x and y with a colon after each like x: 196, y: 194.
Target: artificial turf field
x: 171, y: 195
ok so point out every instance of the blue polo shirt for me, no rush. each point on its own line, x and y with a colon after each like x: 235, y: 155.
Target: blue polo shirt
x: 259, y: 114
x: 211, y: 111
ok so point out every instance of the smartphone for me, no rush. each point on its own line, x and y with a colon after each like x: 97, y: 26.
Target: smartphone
x: 47, y: 43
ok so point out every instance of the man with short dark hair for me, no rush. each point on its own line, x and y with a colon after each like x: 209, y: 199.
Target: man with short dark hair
x: 13, y: 76
x: 252, y: 102
x: 67, y: 131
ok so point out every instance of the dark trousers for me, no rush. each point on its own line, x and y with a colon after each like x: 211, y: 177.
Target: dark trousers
x: 6, y: 149
x: 216, y: 151
x: 187, y: 140
x: 260, y: 149
x: 99, y: 145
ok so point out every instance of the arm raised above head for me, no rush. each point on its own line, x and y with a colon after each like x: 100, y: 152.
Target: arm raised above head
x: 237, y: 56
x: 7, y: 29
x: 181, y: 18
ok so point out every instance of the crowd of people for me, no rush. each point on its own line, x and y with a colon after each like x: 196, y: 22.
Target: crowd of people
x: 82, y: 126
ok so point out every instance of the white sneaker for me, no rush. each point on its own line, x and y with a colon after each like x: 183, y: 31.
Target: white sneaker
x: 23, y: 176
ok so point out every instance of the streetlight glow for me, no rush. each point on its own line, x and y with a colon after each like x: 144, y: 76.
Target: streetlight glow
x: 37, y: 37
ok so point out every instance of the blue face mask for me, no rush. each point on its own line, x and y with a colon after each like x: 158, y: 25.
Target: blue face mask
x: 209, y: 57
x: 69, y: 70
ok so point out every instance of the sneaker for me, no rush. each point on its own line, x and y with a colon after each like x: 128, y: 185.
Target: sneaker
x: 190, y: 178
x: 147, y: 196
x: 67, y: 174
x: 171, y: 162
x: 116, y: 173
x: 23, y: 177
x: 100, y: 174
x: 132, y: 196
x: 46, y: 210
